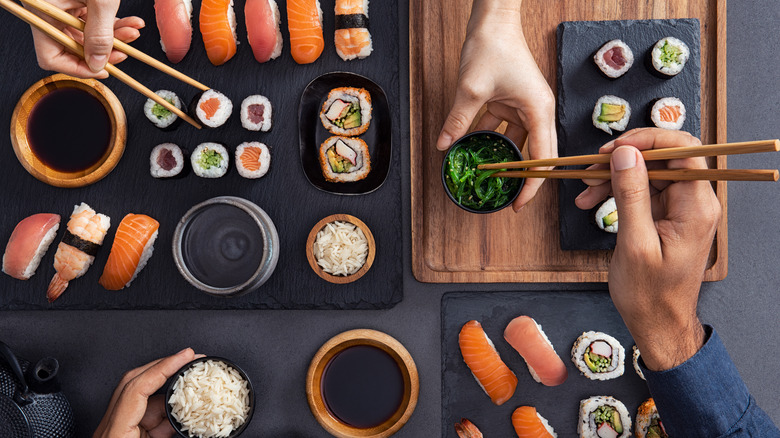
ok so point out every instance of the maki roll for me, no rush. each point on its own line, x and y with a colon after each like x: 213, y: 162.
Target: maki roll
x: 603, y: 417
x: 668, y: 113
x: 252, y: 159
x: 344, y: 159
x: 669, y: 56
x: 648, y: 422
x: 159, y: 115
x: 607, y: 216
x: 614, y: 59
x: 611, y: 112
x: 638, y: 370
x: 256, y: 113
x: 347, y: 111
x: 598, y: 356
x: 212, y: 108
x: 209, y: 160
x: 166, y: 161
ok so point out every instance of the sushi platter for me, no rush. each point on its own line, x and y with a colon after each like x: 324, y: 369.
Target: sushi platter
x: 527, y: 246
x: 282, y: 190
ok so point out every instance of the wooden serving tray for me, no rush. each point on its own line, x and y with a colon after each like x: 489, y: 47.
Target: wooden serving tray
x: 450, y: 245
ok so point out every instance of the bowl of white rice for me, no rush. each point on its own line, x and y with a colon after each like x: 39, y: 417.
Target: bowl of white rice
x: 210, y: 397
x: 340, y: 248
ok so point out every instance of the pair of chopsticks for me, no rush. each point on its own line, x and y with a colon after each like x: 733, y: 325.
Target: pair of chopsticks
x: 78, y: 49
x: 750, y: 147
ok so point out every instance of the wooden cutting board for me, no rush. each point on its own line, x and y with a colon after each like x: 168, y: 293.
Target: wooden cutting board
x: 450, y: 245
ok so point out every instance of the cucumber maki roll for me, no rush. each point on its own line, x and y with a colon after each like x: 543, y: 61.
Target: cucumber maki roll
x: 347, y: 111
x: 162, y: 117
x: 209, y: 160
x: 603, y: 417
x: 598, y: 356
x: 669, y: 56
x: 611, y: 112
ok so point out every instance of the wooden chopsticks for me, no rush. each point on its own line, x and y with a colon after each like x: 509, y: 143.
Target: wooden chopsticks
x: 78, y: 49
x: 749, y: 147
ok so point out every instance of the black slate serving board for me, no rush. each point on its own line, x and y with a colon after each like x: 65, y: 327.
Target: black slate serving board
x: 284, y: 193
x: 581, y: 83
x: 563, y: 316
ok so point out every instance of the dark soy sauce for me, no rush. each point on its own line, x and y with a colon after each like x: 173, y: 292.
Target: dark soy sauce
x: 222, y: 246
x: 362, y: 386
x: 69, y: 130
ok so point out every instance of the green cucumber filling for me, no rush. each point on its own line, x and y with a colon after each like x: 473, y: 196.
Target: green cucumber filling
x: 210, y: 158
x: 596, y: 363
x: 670, y: 54
x: 160, y: 111
x: 611, y: 112
x: 338, y: 163
x: 352, y: 119
x: 610, y: 415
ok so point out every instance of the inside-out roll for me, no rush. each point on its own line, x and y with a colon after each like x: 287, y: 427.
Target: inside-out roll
x: 344, y: 159
x: 598, y: 356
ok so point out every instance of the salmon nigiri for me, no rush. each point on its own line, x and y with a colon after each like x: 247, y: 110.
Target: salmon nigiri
x: 218, y: 28
x: 262, y: 29
x: 304, y: 19
x: 132, y: 247
x: 527, y: 337
x: 352, y: 38
x: 174, y: 21
x: 479, y: 353
x: 530, y: 424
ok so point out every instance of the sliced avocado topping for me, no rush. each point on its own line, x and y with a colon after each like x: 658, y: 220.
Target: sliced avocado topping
x: 616, y: 424
x: 160, y: 111
x: 210, y: 158
x: 590, y: 364
x: 611, y: 112
x: 670, y: 54
x: 652, y: 432
x: 352, y: 120
x: 610, y: 218
x: 596, y: 363
x: 338, y: 163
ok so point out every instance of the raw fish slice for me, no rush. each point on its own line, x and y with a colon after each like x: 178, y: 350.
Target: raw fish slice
x: 262, y: 28
x: 174, y: 21
x: 217, y: 26
x: 132, y: 247
x: 526, y: 337
x: 304, y: 19
x: 528, y: 424
x: 28, y: 243
x: 496, y: 379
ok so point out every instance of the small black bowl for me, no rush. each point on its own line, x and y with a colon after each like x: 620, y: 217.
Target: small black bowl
x: 489, y: 134
x: 172, y: 381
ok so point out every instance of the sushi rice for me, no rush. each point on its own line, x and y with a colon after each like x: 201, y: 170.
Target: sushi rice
x: 582, y: 346
x: 638, y: 370
x: 158, y: 114
x: 588, y: 424
x: 210, y: 160
x: 252, y: 159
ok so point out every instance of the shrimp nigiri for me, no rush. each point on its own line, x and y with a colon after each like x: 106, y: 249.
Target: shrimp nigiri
x: 495, y: 378
x: 304, y: 20
x: 353, y: 40
x: 527, y: 337
x: 530, y: 424
x: 133, y: 246
x: 218, y: 28
x: 76, y: 252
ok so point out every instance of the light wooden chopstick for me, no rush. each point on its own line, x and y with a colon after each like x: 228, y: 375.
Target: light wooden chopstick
x: 66, y: 18
x: 77, y: 48
x: 661, y: 174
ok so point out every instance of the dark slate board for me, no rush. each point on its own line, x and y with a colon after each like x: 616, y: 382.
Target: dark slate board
x: 581, y: 83
x: 563, y: 316
x: 284, y: 193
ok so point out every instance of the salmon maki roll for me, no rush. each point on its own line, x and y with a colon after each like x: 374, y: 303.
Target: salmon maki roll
x: 668, y: 113
x: 353, y: 40
x: 133, y: 246
x: 218, y: 28
x: 530, y: 424
x: 528, y: 338
x: 480, y: 355
x: 252, y: 159
x: 304, y: 20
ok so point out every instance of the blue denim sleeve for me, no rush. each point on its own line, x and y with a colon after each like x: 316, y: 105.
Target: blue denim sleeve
x: 705, y: 397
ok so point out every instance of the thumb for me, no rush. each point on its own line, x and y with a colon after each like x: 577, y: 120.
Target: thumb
x: 99, y: 32
x: 464, y: 110
x: 632, y: 196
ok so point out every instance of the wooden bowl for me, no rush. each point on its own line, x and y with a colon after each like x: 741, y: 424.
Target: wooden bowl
x: 55, y: 177
x: 340, y: 279
x: 338, y: 344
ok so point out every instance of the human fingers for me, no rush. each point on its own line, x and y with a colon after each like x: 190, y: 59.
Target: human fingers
x: 155, y: 421
x: 99, y: 32
x: 595, y: 182
x: 542, y: 143
x: 631, y: 189
x: 469, y: 98
x: 126, y: 377
x: 488, y: 122
x: 593, y: 195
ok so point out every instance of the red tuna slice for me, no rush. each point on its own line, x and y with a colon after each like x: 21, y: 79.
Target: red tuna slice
x: 260, y: 28
x: 256, y: 112
x: 614, y: 58
x: 173, y: 22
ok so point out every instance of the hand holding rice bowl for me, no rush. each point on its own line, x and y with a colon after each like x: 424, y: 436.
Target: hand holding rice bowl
x: 340, y: 248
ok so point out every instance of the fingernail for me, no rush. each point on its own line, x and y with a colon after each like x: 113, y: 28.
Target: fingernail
x: 97, y: 62
x: 517, y: 210
x: 608, y: 145
x: 446, y: 140
x: 623, y: 158
x: 182, y: 351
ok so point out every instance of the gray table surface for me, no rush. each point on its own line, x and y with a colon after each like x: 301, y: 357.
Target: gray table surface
x: 95, y: 348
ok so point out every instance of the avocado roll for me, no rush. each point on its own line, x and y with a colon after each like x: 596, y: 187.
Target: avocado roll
x: 611, y: 112
x: 344, y: 159
x: 607, y: 216
x: 347, y: 111
x: 614, y: 59
x: 603, y: 417
x: 162, y: 117
x: 669, y: 56
x: 598, y: 356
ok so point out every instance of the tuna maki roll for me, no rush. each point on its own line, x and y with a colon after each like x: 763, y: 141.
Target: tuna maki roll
x: 669, y: 56
x: 159, y: 115
x: 344, y: 159
x: 212, y: 108
x: 607, y: 216
x: 668, y: 113
x: 347, y: 111
x: 166, y: 161
x: 598, y: 356
x: 603, y: 417
x: 611, y: 112
x: 614, y: 59
x: 209, y: 160
x: 252, y: 159
x: 256, y: 113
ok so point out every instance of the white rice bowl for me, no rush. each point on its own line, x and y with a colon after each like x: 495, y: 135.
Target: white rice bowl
x: 340, y: 248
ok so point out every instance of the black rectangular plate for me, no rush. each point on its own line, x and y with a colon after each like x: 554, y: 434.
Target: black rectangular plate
x: 581, y: 83
x: 284, y: 193
x: 563, y: 316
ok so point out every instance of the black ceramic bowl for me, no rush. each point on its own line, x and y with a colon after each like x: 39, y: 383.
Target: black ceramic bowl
x: 172, y: 381
x: 488, y: 136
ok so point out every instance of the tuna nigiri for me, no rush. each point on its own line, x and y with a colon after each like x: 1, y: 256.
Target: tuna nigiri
x: 492, y: 374
x: 133, y: 246
x: 527, y: 337
x: 530, y: 424
x: 304, y: 19
x: 353, y: 40
x: 262, y: 29
x: 76, y: 252
x: 174, y: 21
x: 218, y: 28
x: 28, y: 243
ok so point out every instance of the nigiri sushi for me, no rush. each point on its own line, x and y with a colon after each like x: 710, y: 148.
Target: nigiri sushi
x: 304, y: 20
x: 174, y: 21
x: 76, y: 252
x: 133, y: 246
x: 467, y: 429
x: 353, y: 40
x: 218, y: 28
x: 530, y: 424
x: 28, y: 243
x: 528, y: 338
x: 479, y: 353
x: 262, y: 29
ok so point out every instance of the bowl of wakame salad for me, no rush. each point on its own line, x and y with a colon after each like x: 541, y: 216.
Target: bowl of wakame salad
x: 475, y: 190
